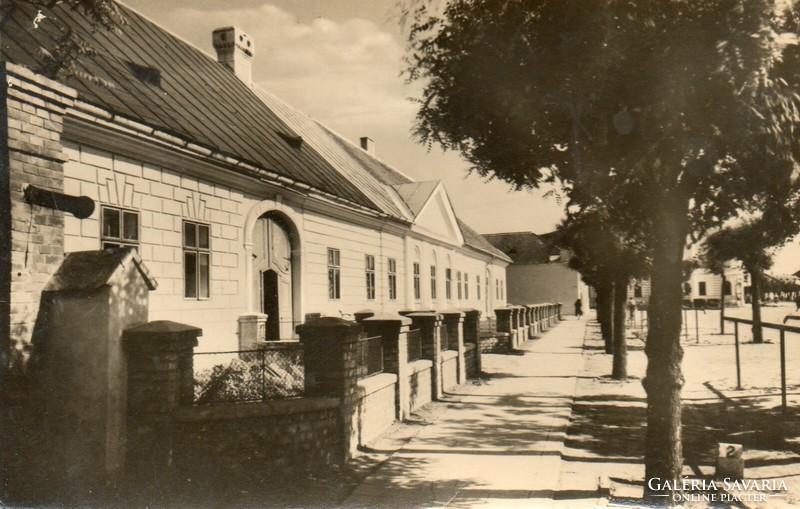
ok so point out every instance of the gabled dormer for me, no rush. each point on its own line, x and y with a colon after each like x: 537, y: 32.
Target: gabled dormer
x: 433, y: 212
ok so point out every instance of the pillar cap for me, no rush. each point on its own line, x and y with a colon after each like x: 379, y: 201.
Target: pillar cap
x: 452, y: 311
x: 389, y: 317
x: 328, y: 322
x: 166, y: 327
x: 424, y: 314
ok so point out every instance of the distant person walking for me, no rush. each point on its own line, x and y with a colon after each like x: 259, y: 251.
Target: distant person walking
x: 578, y: 308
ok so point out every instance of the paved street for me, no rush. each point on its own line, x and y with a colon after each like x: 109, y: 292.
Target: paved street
x: 498, y: 443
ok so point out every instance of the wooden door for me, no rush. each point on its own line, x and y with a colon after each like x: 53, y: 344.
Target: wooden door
x: 272, y: 268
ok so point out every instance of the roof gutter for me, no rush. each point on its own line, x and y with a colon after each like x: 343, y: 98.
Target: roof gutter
x: 99, y: 115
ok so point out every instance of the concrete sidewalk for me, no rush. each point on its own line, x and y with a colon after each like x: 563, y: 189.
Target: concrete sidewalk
x: 496, y: 444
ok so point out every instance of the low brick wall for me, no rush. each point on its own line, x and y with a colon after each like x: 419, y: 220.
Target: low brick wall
x: 471, y: 360
x: 298, y: 432
x: 376, y: 406
x: 498, y: 342
x: 419, y: 383
x: 449, y: 369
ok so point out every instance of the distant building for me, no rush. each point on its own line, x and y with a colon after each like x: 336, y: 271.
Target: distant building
x: 539, y: 271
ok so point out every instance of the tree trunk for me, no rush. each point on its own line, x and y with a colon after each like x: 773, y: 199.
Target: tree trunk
x: 605, y: 297
x: 755, y: 291
x: 722, y: 306
x: 620, y: 362
x: 664, y: 380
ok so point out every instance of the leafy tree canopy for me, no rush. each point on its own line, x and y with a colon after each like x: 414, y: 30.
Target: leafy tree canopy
x: 622, y: 101
x: 61, y: 58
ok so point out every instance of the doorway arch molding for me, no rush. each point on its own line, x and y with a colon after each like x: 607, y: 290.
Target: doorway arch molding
x: 289, y: 219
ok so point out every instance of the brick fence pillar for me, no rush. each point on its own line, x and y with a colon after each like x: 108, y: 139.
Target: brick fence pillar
x: 252, y: 330
x: 472, y: 333
x: 394, y: 329
x: 454, y: 321
x: 503, y: 316
x: 160, y: 379
x: 523, y: 324
x: 531, y: 321
x: 429, y: 326
x: 330, y: 353
x: 514, y: 326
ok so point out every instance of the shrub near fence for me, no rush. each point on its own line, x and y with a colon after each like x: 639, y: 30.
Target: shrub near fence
x: 272, y: 372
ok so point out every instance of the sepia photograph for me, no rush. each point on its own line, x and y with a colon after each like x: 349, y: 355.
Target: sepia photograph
x: 400, y: 254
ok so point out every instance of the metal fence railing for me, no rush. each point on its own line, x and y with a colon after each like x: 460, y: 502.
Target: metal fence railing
x: 783, y: 329
x: 369, y: 356
x: 414, y: 345
x: 248, y: 375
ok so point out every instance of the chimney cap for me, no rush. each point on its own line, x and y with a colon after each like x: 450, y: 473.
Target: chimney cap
x: 230, y: 37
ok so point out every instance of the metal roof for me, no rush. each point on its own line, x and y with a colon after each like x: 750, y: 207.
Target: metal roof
x: 154, y: 77
x: 162, y: 81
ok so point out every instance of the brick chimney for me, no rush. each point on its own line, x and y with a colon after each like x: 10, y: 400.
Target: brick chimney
x: 235, y: 51
x: 368, y: 145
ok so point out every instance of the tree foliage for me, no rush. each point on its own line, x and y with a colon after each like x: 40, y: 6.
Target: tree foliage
x: 61, y: 59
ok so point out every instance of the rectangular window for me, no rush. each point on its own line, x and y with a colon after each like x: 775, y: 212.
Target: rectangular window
x: 334, y: 276
x: 417, y: 289
x: 196, y: 260
x: 637, y: 291
x: 497, y: 289
x: 119, y: 228
x: 466, y: 286
x: 701, y: 288
x: 369, y: 272
x: 392, y: 279
x: 478, y: 287
x: 433, y: 282
x: 458, y: 283
x: 448, y: 283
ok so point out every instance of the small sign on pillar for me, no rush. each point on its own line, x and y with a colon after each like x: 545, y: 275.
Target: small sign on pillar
x: 730, y: 462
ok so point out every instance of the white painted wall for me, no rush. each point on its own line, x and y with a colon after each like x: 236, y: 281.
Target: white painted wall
x: 165, y: 198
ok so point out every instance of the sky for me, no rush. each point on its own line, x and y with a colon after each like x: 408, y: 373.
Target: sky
x: 340, y: 61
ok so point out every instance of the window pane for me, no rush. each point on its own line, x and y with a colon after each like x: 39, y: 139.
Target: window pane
x: 204, y: 275
x: 131, y: 226
x: 189, y: 235
x: 190, y: 274
x: 203, y: 237
x: 111, y: 223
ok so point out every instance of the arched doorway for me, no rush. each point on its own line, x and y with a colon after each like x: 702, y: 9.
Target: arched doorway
x: 274, y: 261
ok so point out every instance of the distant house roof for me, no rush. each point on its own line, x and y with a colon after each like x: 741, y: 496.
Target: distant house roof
x: 524, y: 247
